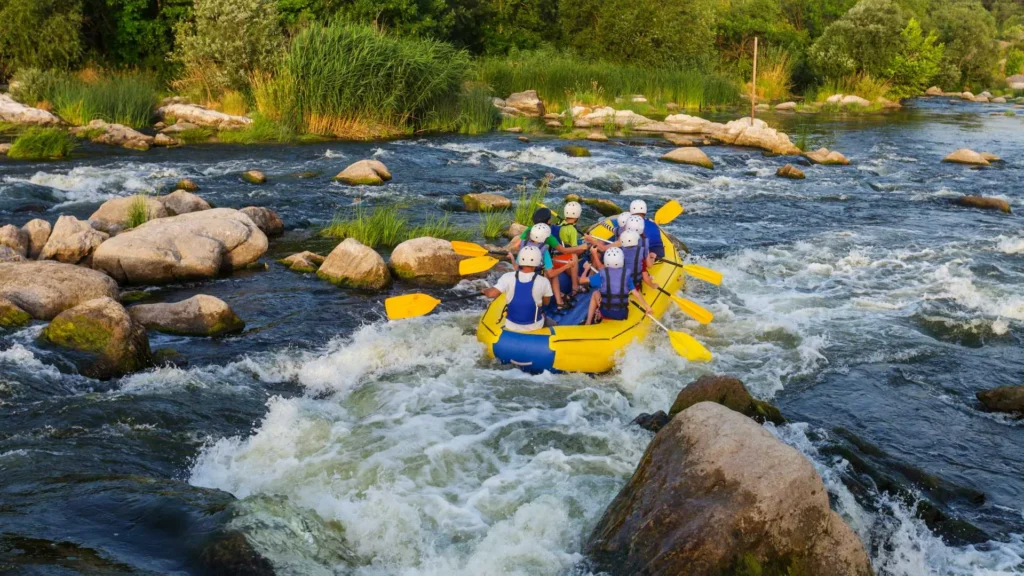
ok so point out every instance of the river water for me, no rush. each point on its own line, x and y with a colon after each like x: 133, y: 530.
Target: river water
x: 859, y: 300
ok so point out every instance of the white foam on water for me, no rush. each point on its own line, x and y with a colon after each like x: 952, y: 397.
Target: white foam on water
x: 332, y: 154
x: 1010, y: 244
x: 20, y: 356
x: 100, y: 183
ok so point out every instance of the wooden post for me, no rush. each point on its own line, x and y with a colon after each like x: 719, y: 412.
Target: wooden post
x: 753, y: 86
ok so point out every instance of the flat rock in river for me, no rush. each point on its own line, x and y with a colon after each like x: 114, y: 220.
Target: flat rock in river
x: 966, y: 156
x: 200, y: 315
x: 485, y: 202
x: 715, y: 493
x: 45, y: 289
x: 1003, y: 399
x: 429, y: 261
x: 983, y: 202
x: 102, y: 331
x: 17, y: 113
x: 689, y: 155
x: 202, y: 116
x: 353, y: 264
x: 190, y: 246
x: 365, y: 173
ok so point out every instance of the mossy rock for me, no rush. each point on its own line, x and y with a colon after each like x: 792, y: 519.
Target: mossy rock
x: 11, y: 316
x: 372, y: 284
x: 605, y: 207
x: 132, y: 296
x: 575, y: 151
x: 187, y: 185
x: 109, y: 344
x: 729, y: 392
x: 169, y: 358
x: 254, y: 177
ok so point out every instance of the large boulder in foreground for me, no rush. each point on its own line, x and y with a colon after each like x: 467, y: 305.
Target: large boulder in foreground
x: 190, y: 246
x: 114, y: 214
x: 72, y: 241
x: 364, y: 173
x: 107, y: 342
x: 715, y: 493
x: 983, y: 202
x: 45, y: 289
x: 689, y: 155
x: 355, y: 265
x: 11, y: 315
x: 427, y: 261
x: 1003, y: 399
x: 200, y: 315
x: 38, y: 232
x: 729, y: 392
x: 966, y: 156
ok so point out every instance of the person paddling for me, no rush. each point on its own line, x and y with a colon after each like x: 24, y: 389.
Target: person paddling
x: 612, y: 288
x: 651, y: 230
x: 526, y: 292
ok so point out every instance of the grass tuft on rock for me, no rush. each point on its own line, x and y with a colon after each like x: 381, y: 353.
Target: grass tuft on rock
x: 42, y: 144
x: 138, y: 212
x: 494, y: 224
x: 385, y: 226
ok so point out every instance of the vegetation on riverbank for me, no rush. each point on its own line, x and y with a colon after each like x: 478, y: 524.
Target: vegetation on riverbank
x: 119, y: 97
x: 42, y: 144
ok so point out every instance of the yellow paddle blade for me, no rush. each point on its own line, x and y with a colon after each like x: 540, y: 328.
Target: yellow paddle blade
x: 468, y: 249
x: 477, y: 265
x: 701, y: 273
x: 688, y: 347
x: 694, y: 310
x: 668, y: 213
x: 409, y: 306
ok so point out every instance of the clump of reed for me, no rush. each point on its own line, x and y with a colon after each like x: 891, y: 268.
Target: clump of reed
x: 774, y: 75
x: 529, y: 200
x: 42, y: 144
x: 554, y: 74
x: 121, y: 97
x: 494, y: 224
x: 356, y: 82
x: 859, y: 84
x: 138, y: 211
x: 385, y: 226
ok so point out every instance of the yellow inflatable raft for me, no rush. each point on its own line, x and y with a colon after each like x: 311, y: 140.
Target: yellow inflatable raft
x: 590, y: 349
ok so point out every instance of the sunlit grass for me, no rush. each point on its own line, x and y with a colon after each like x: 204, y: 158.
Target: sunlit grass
x: 138, y: 211
x: 122, y: 98
x: 494, y: 224
x: 42, y: 144
x: 528, y: 201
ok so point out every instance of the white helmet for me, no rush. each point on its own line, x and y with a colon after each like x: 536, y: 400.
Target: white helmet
x: 638, y: 207
x: 630, y: 238
x: 622, y: 218
x: 636, y: 224
x: 540, y: 233
x: 530, y: 256
x: 614, y: 258
x: 572, y: 210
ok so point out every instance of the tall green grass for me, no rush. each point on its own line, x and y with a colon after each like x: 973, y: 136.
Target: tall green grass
x: 42, y: 144
x: 555, y: 74
x: 138, y: 212
x: 471, y: 113
x: 386, y: 226
x: 261, y: 129
x: 122, y: 98
x: 494, y: 224
x: 529, y: 200
x: 354, y: 81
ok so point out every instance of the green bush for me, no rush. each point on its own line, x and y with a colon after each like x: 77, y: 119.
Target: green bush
x: 917, y: 62
x: 866, y: 39
x: 39, y: 34
x: 122, y: 98
x: 224, y: 42
x: 32, y: 86
x: 1014, y: 61
x: 528, y: 202
x: 355, y: 81
x: 42, y: 144
x: 968, y: 32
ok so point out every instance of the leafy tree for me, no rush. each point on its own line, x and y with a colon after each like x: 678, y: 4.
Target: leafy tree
x: 739, y: 21
x: 814, y: 15
x: 133, y: 32
x: 916, y: 63
x: 226, y: 41
x: 866, y: 39
x: 1014, y: 62
x: 40, y: 34
x: 651, y: 32
x: 968, y: 31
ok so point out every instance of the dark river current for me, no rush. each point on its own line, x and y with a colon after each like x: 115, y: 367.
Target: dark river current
x: 860, y: 300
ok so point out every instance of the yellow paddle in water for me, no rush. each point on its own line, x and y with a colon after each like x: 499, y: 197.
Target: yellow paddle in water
x: 667, y: 213
x: 416, y: 304
x: 477, y: 265
x: 699, y: 272
x: 690, y: 308
x: 470, y: 249
x: 685, y: 345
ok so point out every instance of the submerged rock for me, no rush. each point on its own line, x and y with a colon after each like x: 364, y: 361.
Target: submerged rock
x: 485, y: 202
x: 729, y: 392
x: 254, y: 177
x: 303, y: 261
x: 14, y: 238
x: 1003, y: 399
x: 190, y: 246
x: 983, y: 202
x: 11, y: 315
x: 826, y: 157
x: 786, y: 106
x: 233, y: 555
x: 103, y: 332
x: 200, y: 315
x: 717, y: 494
x: 791, y: 172
x: 183, y: 202
x: 652, y: 422
x: 17, y: 113
x: 429, y: 261
x: 575, y: 151
x: 72, y: 241
x: 187, y: 185
x: 38, y: 232
x: 966, y: 156
x: 606, y: 208
x: 114, y: 214
x: 266, y: 219
x: 526, y: 103
x: 364, y: 173
x: 45, y: 289
x: 353, y: 264
x: 689, y: 155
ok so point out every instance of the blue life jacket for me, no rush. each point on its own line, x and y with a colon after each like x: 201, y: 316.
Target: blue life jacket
x: 556, y: 229
x: 653, y: 234
x: 542, y: 247
x: 614, y: 294
x: 634, y: 262
x: 523, y: 308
